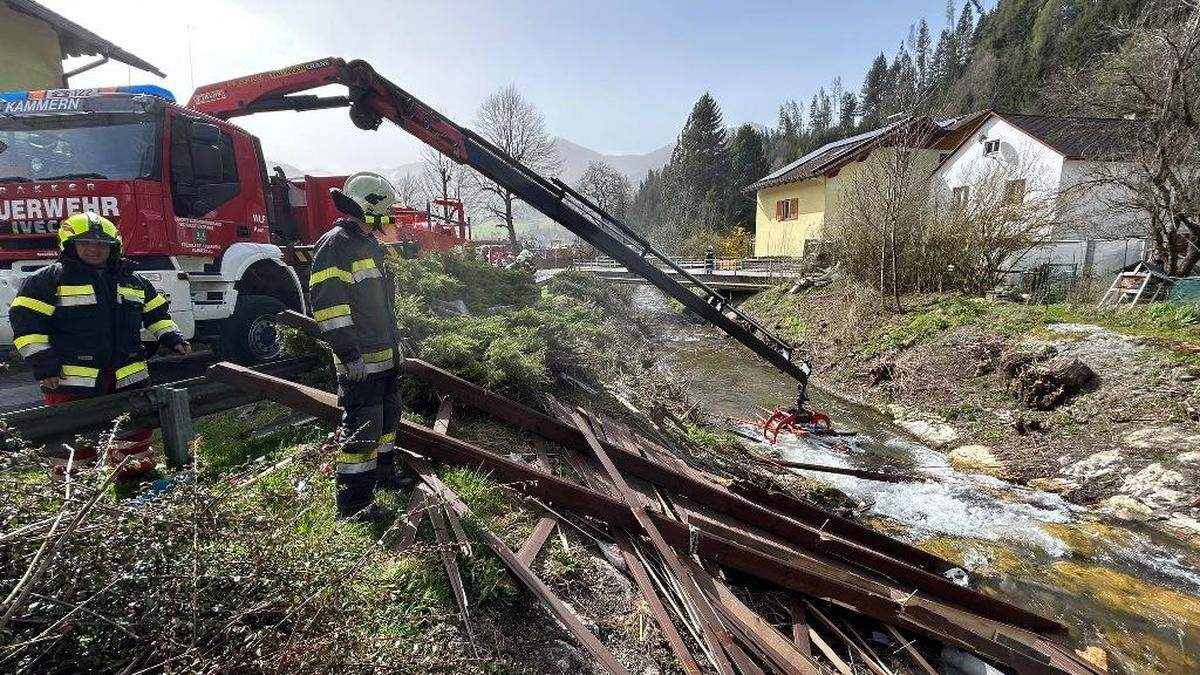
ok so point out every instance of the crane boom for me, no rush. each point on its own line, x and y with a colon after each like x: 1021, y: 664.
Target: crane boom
x: 372, y: 99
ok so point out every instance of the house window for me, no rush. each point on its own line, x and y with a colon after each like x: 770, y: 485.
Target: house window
x: 787, y: 209
x: 991, y: 147
x: 1014, y: 191
x: 960, y: 197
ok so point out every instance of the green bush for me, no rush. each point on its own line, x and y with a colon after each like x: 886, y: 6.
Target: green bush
x: 591, y: 288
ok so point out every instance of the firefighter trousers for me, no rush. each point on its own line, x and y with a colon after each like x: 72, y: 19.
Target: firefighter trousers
x: 129, y: 452
x: 366, y: 438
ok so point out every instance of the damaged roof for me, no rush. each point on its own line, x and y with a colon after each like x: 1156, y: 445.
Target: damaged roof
x: 830, y: 157
x: 76, y: 40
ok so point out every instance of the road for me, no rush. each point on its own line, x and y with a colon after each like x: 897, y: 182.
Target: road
x: 19, y: 391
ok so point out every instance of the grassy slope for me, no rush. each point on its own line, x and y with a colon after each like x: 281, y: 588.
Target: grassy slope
x: 943, y: 355
x: 279, y: 584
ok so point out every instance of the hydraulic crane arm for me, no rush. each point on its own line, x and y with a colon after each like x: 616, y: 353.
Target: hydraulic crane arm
x: 372, y: 99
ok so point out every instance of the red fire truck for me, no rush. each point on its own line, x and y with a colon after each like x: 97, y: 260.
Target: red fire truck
x: 191, y: 193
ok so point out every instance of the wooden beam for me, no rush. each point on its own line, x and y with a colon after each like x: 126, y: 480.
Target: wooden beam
x: 446, y: 551
x: 519, y: 568
x: 824, y: 648
x: 545, y: 525
x: 778, y: 649
x: 417, y: 503
x: 718, y: 639
x: 854, y: 647
x: 536, y: 540
x: 799, y: 625
x: 907, y: 644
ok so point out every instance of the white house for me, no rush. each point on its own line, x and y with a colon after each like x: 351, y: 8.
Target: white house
x: 1066, y: 158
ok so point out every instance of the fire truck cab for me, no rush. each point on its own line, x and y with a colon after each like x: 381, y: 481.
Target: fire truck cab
x: 189, y: 193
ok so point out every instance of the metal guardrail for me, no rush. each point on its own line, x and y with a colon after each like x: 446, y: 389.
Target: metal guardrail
x: 170, y: 406
x: 754, y: 267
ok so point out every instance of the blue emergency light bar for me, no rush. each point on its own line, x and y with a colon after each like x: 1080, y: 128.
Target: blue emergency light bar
x: 148, y: 89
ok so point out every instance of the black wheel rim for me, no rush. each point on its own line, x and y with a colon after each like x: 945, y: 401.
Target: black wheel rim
x: 263, y: 339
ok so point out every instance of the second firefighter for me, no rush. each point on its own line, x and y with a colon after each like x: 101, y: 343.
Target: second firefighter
x: 353, y: 303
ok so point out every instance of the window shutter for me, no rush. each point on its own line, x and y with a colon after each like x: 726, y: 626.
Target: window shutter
x: 779, y: 210
x: 795, y: 210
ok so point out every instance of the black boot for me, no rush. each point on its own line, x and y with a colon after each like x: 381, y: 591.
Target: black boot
x: 354, y: 492
x: 389, y: 477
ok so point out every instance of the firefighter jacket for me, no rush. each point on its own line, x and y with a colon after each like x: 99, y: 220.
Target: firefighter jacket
x: 353, y: 297
x: 84, y: 324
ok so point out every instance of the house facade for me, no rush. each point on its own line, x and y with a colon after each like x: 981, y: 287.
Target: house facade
x: 794, y: 203
x: 1064, y: 159
x: 34, y: 41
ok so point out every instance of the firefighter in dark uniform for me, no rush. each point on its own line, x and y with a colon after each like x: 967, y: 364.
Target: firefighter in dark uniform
x: 79, y: 323
x: 353, y: 303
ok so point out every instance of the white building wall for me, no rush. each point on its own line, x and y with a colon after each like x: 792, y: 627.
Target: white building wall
x: 1020, y: 156
x: 1095, y: 238
x: 1093, y: 206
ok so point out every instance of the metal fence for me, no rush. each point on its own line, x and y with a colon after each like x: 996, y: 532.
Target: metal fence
x: 774, y: 267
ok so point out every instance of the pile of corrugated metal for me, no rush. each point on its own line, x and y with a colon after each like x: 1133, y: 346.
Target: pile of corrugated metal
x: 858, y: 601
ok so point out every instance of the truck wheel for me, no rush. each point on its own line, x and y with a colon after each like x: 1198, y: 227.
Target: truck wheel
x: 249, y: 336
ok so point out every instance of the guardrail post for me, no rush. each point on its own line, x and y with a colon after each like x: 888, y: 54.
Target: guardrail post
x: 175, y: 418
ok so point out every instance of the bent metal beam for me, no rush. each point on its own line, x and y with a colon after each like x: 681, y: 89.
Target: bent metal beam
x: 1024, y: 650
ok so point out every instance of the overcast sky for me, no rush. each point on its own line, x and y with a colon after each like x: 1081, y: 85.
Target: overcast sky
x: 617, y: 77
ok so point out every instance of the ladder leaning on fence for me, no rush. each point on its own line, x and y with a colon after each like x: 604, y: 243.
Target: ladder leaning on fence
x: 1142, y: 283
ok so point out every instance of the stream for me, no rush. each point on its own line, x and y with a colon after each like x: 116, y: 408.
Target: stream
x: 1124, y: 586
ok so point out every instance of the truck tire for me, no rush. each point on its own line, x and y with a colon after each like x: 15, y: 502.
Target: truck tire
x: 249, y: 336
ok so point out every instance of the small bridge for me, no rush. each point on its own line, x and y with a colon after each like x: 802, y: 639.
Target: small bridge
x: 723, y: 274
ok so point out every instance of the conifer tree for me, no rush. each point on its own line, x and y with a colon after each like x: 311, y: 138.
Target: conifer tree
x: 873, y: 92
x: 695, y: 181
x: 847, y: 112
x: 748, y: 163
x: 923, y: 55
x: 964, y: 35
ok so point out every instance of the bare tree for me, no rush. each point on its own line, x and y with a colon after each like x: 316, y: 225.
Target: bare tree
x: 1154, y: 80
x: 515, y: 126
x: 408, y: 189
x: 878, y: 222
x: 441, y: 179
x: 607, y: 187
x: 1000, y: 212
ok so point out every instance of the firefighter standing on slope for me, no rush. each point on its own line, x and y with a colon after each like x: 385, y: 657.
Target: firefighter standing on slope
x: 353, y: 303
x: 78, y: 322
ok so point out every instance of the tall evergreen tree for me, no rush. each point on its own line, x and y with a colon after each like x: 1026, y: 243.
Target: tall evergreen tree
x: 964, y: 36
x: 748, y: 163
x: 847, y: 112
x: 695, y: 189
x: 646, y: 213
x: 923, y: 55
x: 940, y: 72
x: 874, y: 90
x: 903, y: 79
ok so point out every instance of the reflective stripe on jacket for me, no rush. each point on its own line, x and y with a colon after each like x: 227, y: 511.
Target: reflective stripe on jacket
x: 83, y: 325
x: 353, y: 297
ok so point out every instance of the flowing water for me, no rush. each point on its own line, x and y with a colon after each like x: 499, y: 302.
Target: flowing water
x: 1123, y: 586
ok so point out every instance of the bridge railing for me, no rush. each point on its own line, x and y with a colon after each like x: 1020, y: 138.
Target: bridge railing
x: 756, y: 267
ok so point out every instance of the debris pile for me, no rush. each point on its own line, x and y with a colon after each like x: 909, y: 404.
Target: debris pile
x: 703, y: 550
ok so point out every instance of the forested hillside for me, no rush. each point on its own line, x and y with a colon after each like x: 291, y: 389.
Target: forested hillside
x: 1001, y: 56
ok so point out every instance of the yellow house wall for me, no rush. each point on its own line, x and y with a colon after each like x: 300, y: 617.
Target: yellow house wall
x: 876, y: 169
x: 30, y: 57
x: 774, y: 237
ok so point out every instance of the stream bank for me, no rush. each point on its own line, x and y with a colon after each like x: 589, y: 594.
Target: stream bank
x: 1127, y: 442
x: 1123, y: 585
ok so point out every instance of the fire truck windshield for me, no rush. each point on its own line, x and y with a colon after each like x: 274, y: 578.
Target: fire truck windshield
x: 101, y: 146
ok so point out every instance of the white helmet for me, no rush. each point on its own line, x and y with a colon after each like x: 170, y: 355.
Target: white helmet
x: 371, y: 192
